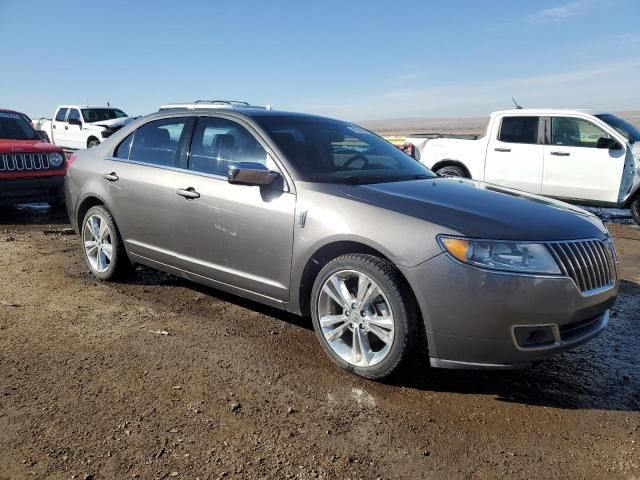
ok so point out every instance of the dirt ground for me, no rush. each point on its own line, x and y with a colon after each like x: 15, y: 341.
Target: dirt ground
x: 89, y: 389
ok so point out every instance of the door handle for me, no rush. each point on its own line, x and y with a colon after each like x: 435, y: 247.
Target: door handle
x: 561, y: 154
x: 500, y: 149
x: 66, y: 127
x: 53, y: 126
x: 188, y: 193
x: 112, y: 177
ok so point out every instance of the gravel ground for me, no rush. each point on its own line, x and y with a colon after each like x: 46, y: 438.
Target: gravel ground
x: 90, y: 387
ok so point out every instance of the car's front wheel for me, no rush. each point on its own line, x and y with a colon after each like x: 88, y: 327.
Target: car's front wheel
x: 364, y: 315
x: 93, y: 142
x: 451, y: 171
x: 635, y: 209
x: 102, y: 245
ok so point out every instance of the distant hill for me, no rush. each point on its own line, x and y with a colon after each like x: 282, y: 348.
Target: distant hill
x: 474, y: 125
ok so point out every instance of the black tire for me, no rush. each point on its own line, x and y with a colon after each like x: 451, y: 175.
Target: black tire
x: 93, y: 142
x: 402, y: 304
x: 119, y: 266
x: 635, y: 209
x: 451, y: 171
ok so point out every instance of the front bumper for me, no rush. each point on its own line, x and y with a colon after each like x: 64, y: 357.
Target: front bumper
x: 35, y: 189
x: 470, y: 314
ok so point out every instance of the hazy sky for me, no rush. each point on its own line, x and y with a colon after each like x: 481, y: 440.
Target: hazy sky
x: 349, y: 59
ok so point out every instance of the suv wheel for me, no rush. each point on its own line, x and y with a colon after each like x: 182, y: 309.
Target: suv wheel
x: 102, y: 245
x: 363, y: 315
x: 451, y: 171
x: 635, y: 209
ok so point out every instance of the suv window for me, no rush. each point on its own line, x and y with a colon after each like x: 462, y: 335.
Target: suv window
x: 575, y: 132
x: 74, y: 114
x: 157, y: 142
x: 519, y: 130
x: 218, y: 142
x: 61, y: 114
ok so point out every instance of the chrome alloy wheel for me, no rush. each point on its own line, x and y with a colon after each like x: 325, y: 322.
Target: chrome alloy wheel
x: 356, y: 318
x: 98, y: 243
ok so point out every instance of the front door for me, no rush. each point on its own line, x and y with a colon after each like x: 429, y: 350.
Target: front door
x: 514, y: 155
x: 235, y: 234
x: 74, y: 134
x: 574, y: 168
x: 59, y: 128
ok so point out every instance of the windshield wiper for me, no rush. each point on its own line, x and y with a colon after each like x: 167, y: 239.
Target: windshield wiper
x: 363, y: 179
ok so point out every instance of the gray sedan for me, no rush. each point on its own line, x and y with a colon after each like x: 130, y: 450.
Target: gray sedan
x: 325, y: 219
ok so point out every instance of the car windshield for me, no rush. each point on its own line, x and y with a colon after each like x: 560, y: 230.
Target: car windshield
x: 629, y: 131
x: 330, y: 151
x: 92, y: 115
x: 13, y: 126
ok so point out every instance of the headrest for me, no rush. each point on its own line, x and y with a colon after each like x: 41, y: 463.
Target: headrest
x: 156, y: 137
x: 223, y: 140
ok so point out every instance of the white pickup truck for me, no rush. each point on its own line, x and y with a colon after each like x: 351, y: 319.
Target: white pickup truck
x: 82, y: 126
x: 574, y: 155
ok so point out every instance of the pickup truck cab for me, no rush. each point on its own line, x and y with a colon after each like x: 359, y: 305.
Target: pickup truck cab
x: 31, y: 170
x: 574, y: 155
x: 82, y: 126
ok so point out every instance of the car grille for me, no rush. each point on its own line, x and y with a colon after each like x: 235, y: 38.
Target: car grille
x: 590, y: 263
x: 20, y: 162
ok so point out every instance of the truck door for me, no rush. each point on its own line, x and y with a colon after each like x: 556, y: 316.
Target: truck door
x: 58, y: 125
x: 75, y: 135
x: 574, y: 166
x: 515, y: 153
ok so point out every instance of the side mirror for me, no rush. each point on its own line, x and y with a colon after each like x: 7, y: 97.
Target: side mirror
x: 608, y: 143
x: 250, y: 173
x: 74, y: 121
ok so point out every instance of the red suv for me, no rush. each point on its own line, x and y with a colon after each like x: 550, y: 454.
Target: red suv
x: 31, y: 170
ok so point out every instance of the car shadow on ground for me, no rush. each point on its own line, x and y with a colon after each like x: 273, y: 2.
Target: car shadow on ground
x: 602, y: 374
x: 33, y: 214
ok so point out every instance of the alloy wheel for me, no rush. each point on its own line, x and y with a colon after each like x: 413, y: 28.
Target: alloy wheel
x: 98, y: 243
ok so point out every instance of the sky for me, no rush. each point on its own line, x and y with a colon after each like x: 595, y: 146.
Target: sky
x: 355, y: 60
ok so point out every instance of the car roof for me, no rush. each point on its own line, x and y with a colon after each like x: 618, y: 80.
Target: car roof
x: 6, y: 110
x: 546, y: 111
x: 88, y: 106
x: 237, y: 111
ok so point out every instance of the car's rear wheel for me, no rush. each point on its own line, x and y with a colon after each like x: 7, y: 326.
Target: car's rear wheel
x: 451, y: 171
x: 364, y: 315
x: 102, y: 245
x: 635, y: 209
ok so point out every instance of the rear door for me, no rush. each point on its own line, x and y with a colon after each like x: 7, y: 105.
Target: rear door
x: 74, y: 133
x: 59, y: 127
x: 574, y: 167
x: 515, y: 153
x: 143, y: 175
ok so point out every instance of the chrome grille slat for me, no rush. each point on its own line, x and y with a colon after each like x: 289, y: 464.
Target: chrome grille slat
x: 22, y: 162
x: 589, y: 263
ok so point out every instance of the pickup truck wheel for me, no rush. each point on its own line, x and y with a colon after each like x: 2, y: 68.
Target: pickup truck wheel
x: 635, y: 209
x: 363, y: 314
x: 93, y: 142
x: 102, y: 245
x: 451, y: 171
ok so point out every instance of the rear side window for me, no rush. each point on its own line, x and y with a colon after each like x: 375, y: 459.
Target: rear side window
x: 122, y: 150
x: 519, y: 130
x: 157, y: 142
x: 575, y: 132
x: 61, y: 114
x: 217, y: 143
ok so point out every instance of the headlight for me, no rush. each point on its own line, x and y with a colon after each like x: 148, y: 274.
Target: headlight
x: 505, y: 256
x: 56, y: 160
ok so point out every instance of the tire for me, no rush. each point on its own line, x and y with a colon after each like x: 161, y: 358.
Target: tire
x: 118, y: 266
x: 635, y: 209
x: 451, y: 171
x: 93, y: 142
x: 365, y: 323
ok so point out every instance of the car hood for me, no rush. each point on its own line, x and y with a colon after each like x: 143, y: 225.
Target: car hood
x: 116, y: 122
x: 20, y: 146
x: 482, y: 210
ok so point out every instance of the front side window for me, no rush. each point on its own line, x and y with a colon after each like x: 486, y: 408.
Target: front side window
x: 74, y: 114
x: 331, y: 151
x: 61, y: 114
x: 14, y: 127
x: 217, y: 143
x: 157, y: 142
x: 575, y: 132
x: 519, y: 130
x: 92, y: 115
